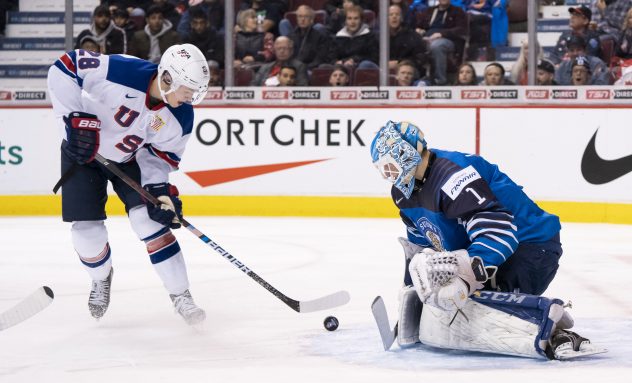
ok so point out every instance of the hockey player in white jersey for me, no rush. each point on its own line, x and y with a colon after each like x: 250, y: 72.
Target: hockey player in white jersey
x: 140, y: 116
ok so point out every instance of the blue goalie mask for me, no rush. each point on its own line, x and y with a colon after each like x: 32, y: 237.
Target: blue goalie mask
x: 395, y: 156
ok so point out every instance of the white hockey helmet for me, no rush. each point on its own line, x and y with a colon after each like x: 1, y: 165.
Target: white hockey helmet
x: 187, y: 67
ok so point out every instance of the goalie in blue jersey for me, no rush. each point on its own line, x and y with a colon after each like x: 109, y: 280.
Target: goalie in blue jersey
x: 139, y: 115
x: 479, y: 253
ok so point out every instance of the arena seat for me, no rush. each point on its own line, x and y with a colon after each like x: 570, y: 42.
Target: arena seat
x: 366, y: 77
x: 243, y: 76
x: 320, y: 76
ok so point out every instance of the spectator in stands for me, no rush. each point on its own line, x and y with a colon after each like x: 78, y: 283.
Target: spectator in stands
x: 269, y: 13
x: 155, y: 38
x: 205, y: 37
x: 355, y: 44
x: 283, y: 51
x: 519, y: 70
x: 408, y: 18
x: 168, y: 8
x: 406, y: 74
x: 546, y: 73
x: 480, y: 19
x: 579, y: 20
x: 215, y: 74
x: 443, y: 27
x: 133, y: 7
x: 337, y: 14
x: 111, y: 39
x: 88, y: 43
x: 494, y: 75
x: 598, y: 69
x: 405, y: 44
x: 252, y: 47
x: 466, y: 75
x: 287, y: 76
x: 339, y: 76
x: 214, y: 10
x: 121, y: 19
x: 624, y: 44
x: 312, y: 46
x: 609, y: 16
x: 580, y: 69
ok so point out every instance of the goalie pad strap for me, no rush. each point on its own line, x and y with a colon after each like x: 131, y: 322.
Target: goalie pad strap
x: 494, y: 322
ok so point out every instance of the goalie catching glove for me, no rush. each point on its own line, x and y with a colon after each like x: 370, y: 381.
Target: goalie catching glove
x: 446, y: 279
x: 169, y: 212
x: 82, y: 133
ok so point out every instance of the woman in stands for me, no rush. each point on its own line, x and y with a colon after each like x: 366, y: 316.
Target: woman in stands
x: 495, y: 75
x: 466, y: 75
x: 624, y: 45
x: 251, y: 46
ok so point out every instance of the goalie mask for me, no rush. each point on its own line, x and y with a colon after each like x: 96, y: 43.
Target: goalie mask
x: 395, y: 156
x: 186, y: 66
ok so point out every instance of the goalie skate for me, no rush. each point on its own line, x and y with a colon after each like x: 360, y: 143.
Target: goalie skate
x: 186, y: 307
x: 565, y: 345
x: 100, y: 296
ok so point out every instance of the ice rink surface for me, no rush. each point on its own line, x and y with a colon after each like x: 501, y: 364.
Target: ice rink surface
x: 251, y: 336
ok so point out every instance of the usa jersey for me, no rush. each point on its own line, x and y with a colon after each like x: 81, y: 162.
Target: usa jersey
x: 468, y: 203
x: 115, y: 88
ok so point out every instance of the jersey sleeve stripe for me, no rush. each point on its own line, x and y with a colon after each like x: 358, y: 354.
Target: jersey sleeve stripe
x: 413, y: 231
x: 168, y: 157
x: 485, y: 256
x: 493, y: 230
x: 499, y: 240
x: 69, y: 62
x: 477, y: 221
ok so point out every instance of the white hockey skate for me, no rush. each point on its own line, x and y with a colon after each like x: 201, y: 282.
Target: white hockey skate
x: 100, y: 296
x: 566, y: 345
x: 186, y: 307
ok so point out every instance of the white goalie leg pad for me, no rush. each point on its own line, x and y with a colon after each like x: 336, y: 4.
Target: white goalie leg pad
x: 409, y: 315
x: 90, y: 240
x: 163, y: 248
x: 494, y: 322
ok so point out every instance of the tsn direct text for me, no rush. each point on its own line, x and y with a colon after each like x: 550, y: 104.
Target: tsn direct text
x: 283, y: 130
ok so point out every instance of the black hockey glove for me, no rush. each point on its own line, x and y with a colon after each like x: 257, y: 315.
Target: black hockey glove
x: 82, y: 131
x: 170, y: 207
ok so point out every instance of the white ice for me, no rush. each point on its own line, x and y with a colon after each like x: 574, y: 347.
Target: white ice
x: 252, y: 336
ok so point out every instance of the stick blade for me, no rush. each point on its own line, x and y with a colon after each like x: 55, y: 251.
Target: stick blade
x: 324, y: 303
x: 381, y: 319
x: 29, y: 306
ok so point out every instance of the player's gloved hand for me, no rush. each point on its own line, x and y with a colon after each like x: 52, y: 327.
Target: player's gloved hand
x: 446, y: 279
x: 82, y: 132
x: 169, y: 212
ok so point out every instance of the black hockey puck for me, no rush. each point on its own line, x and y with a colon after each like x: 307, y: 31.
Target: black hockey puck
x: 331, y: 323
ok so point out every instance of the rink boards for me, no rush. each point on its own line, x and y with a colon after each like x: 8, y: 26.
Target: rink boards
x: 314, y: 160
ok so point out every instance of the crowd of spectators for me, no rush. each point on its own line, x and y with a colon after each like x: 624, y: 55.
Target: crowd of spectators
x: 281, y: 42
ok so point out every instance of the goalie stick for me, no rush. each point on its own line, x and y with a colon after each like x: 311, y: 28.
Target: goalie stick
x: 381, y: 319
x: 29, y: 306
x: 323, y: 303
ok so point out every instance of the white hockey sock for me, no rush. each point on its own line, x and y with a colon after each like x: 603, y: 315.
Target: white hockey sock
x: 163, y: 248
x: 90, y: 239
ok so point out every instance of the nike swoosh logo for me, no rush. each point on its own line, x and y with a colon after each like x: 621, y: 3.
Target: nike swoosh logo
x: 397, y: 201
x: 598, y: 171
x: 128, y: 96
x: 219, y: 176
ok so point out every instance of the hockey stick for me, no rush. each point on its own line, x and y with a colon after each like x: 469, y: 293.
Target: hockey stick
x: 381, y: 319
x: 29, y: 306
x: 323, y: 303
